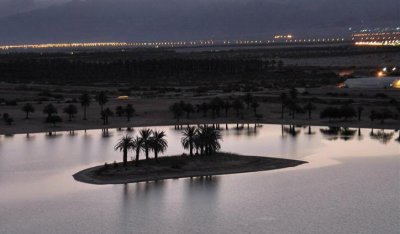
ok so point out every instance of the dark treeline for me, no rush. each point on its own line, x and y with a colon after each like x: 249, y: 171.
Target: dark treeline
x: 64, y: 70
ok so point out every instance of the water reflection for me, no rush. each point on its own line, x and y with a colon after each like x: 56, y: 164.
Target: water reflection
x: 334, y: 133
x: 43, y: 166
x: 309, y: 131
x: 291, y: 131
x: 381, y: 136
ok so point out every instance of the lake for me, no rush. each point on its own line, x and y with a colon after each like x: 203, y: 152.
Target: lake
x: 350, y: 185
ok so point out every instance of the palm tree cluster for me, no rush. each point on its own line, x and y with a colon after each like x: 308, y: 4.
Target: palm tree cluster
x: 147, y: 140
x: 381, y: 115
x: 204, y: 139
x: 216, y: 106
x: 127, y: 111
x: 344, y: 112
x: 291, y: 102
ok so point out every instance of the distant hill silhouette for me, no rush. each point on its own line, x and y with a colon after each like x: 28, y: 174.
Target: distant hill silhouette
x: 136, y: 20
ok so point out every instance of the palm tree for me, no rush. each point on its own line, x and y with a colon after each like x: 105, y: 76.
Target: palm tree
x: 227, y: 106
x: 105, y: 114
x: 188, y: 108
x: 177, y: 111
x: 129, y: 111
x: 70, y: 110
x: 216, y: 104
x: 248, y: 98
x: 85, y: 100
x: 157, y: 143
x: 28, y: 108
x: 50, y: 110
x: 255, y: 105
x: 293, y: 93
x: 119, y: 110
x: 54, y: 119
x: 138, y: 146
x: 189, y: 135
x: 145, y: 135
x: 204, y: 107
x: 360, y: 109
x: 102, y: 99
x: 237, y: 105
x: 125, y: 144
x: 309, y: 107
x: 283, y: 97
x: 209, y: 138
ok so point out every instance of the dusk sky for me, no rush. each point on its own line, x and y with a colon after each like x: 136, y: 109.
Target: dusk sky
x: 37, y: 21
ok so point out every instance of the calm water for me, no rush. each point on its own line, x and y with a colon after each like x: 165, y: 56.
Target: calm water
x: 351, y: 185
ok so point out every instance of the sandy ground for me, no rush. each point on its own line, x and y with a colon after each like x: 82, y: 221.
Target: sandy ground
x: 181, y: 167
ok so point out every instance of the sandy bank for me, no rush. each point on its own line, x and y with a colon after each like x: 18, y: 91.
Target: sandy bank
x: 181, y: 167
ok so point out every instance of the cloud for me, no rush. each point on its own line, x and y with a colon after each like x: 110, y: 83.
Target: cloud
x: 12, y: 7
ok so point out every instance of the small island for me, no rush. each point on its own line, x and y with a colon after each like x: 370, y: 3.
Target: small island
x: 203, y: 143
x: 181, y: 167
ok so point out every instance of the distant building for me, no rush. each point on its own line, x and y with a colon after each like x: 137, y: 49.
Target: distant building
x: 377, y: 37
x: 373, y: 82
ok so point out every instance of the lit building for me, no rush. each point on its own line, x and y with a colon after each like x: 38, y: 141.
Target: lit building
x: 377, y: 37
x: 373, y: 82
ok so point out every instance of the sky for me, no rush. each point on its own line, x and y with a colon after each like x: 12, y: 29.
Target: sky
x: 43, y: 21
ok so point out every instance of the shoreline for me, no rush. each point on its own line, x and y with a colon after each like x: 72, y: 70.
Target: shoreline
x: 175, y: 167
x: 133, y: 124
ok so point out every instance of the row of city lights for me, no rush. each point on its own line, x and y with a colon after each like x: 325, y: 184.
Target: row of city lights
x: 375, y: 34
x: 378, y: 43
x: 371, y: 42
x: 164, y: 44
x: 377, y: 38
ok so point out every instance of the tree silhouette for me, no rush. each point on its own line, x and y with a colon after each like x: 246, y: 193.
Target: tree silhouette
x: 177, y: 111
x: 158, y: 143
x: 85, y: 100
x: 330, y: 113
x: 216, y: 104
x: 53, y: 119
x: 346, y: 112
x: 129, y: 111
x: 293, y: 107
x: 28, y: 108
x: 226, y: 106
x: 188, y: 139
x: 119, y: 111
x: 237, y: 105
x: 360, y: 109
x: 102, y: 99
x: 188, y: 108
x: 248, y: 98
x: 50, y: 110
x: 209, y: 138
x: 70, y: 110
x: 283, y: 97
x: 309, y: 107
x: 125, y: 144
x: 293, y: 93
x: 138, y: 146
x: 204, y: 108
x: 145, y: 135
x: 105, y: 115
x: 255, y: 105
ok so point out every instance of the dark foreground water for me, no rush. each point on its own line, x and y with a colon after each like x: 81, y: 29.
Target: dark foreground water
x: 351, y: 185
